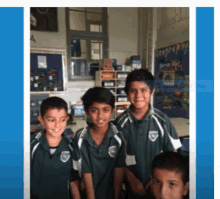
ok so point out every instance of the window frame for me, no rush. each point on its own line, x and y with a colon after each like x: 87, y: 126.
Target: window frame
x: 88, y: 35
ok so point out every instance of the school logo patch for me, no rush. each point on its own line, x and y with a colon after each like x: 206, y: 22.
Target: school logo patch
x: 65, y: 155
x: 153, y: 135
x: 112, y: 150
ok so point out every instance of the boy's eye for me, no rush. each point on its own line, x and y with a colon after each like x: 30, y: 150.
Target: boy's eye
x: 172, y: 185
x: 50, y: 120
x: 93, y: 110
x: 132, y: 91
x: 143, y: 89
x: 156, y: 181
x: 106, y: 110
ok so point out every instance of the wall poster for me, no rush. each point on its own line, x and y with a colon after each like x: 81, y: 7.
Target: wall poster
x: 172, y: 80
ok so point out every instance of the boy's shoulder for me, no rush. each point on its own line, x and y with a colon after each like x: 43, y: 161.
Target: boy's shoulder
x: 80, y: 133
x: 121, y: 118
x: 160, y: 115
x: 36, y: 136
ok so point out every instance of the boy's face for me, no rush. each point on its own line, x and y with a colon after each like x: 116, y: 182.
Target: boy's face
x: 100, y: 114
x: 139, y: 94
x: 168, y: 184
x: 54, y: 121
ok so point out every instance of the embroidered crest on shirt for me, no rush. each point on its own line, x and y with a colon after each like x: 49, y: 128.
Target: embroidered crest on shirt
x: 153, y: 135
x: 112, y: 150
x: 65, y: 155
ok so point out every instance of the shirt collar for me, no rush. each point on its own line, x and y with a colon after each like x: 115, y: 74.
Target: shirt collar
x: 147, y: 116
x: 88, y: 136
x: 45, y: 144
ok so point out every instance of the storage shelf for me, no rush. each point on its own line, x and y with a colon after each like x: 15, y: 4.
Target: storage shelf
x: 98, y: 82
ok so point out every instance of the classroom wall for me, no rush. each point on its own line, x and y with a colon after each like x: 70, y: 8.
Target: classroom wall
x: 122, y: 33
x: 127, y: 34
x: 172, y: 26
x: 123, y: 43
x: 52, y: 39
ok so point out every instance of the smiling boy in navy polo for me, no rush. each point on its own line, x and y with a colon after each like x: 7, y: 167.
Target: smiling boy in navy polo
x: 150, y: 130
x: 52, y: 172
x: 101, y: 147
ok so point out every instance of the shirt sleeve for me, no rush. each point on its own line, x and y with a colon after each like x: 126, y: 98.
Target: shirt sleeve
x: 75, y: 167
x: 126, y: 156
x: 120, y: 159
x: 74, y: 175
x: 171, y: 138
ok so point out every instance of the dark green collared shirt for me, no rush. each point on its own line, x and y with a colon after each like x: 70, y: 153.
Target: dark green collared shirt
x: 101, y: 160
x: 148, y: 137
x: 51, y: 173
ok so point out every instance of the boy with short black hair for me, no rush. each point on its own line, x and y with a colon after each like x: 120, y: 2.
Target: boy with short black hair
x: 52, y: 173
x: 169, y: 177
x: 150, y: 130
x: 101, y: 147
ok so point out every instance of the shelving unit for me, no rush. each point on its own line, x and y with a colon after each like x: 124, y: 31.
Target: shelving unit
x: 115, y: 82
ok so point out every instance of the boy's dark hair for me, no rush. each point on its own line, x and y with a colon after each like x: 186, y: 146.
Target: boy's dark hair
x: 52, y: 103
x: 99, y: 95
x: 142, y: 75
x: 172, y: 161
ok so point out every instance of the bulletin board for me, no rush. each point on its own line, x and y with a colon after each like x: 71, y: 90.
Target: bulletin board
x: 172, y: 80
x: 48, y: 71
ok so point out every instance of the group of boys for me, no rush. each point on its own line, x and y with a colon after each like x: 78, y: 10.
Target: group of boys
x: 133, y: 157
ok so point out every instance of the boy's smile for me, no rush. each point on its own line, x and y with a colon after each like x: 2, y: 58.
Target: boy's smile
x: 54, y: 121
x: 100, y: 114
x: 168, y: 184
x: 139, y: 95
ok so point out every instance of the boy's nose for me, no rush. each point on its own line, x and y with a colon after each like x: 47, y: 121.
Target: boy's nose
x: 138, y: 94
x: 56, y: 124
x: 164, y: 192
x: 100, y: 114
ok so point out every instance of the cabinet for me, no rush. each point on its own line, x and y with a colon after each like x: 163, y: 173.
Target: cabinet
x: 115, y: 82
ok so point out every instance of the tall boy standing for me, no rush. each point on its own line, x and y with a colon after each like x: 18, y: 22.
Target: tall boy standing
x: 150, y: 130
x: 101, y: 147
x: 52, y: 173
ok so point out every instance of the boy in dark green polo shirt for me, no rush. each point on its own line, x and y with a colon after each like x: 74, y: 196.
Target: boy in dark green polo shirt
x: 101, y: 147
x: 52, y: 172
x: 150, y: 130
x: 169, y: 177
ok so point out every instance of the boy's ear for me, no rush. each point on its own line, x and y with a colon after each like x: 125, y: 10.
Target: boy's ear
x: 87, y: 114
x: 186, y: 189
x: 40, y: 119
x: 152, y: 93
x: 113, y: 110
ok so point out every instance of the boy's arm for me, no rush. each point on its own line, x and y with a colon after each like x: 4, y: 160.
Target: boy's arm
x: 136, y: 185
x: 118, y: 179
x: 74, y: 189
x: 88, y: 184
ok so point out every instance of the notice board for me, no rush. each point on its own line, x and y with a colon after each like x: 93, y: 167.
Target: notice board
x: 48, y: 71
x: 172, y: 80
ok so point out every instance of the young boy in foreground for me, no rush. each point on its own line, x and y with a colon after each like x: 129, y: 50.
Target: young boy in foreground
x: 52, y: 173
x: 150, y: 130
x: 101, y: 147
x: 169, y: 177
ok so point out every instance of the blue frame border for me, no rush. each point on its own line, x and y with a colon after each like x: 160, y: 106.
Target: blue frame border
x: 205, y: 102
x: 11, y: 81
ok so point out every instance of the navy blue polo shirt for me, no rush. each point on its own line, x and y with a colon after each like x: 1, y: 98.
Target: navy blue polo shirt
x: 148, y: 137
x: 101, y: 160
x: 51, y: 173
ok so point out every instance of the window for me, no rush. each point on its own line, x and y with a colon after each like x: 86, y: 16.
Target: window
x: 87, y: 38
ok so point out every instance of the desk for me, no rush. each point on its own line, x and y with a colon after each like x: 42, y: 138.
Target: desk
x: 181, y: 125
